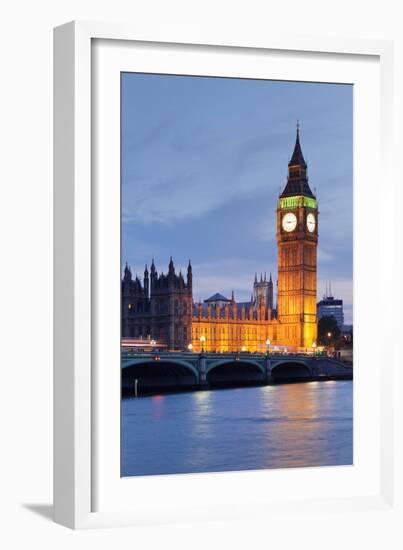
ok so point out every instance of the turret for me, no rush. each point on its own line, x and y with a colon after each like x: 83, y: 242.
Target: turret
x: 146, y: 283
x: 127, y: 274
x: 153, y: 276
x: 251, y: 311
x: 271, y: 301
x: 233, y: 304
x: 189, y: 276
x: 171, y: 273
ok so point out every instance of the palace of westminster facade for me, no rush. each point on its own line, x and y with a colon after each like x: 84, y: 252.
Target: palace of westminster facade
x: 162, y: 307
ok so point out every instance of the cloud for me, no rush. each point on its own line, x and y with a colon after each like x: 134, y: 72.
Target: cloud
x: 324, y: 255
x: 184, y: 179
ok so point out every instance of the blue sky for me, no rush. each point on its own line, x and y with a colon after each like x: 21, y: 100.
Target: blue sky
x: 203, y: 162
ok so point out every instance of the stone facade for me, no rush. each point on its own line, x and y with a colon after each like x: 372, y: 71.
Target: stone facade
x: 160, y: 308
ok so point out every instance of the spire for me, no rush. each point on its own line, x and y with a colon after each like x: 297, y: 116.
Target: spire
x: 171, y: 268
x: 297, y: 181
x: 232, y: 297
x: 152, y: 266
x: 146, y: 283
x: 297, y: 158
x: 265, y: 276
x: 127, y: 272
x: 189, y: 274
x: 270, y: 280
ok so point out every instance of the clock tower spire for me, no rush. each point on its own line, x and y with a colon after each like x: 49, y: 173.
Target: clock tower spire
x: 297, y: 181
x: 297, y: 240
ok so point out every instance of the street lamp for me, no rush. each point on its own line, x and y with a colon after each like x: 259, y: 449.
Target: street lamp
x: 190, y: 347
x: 202, y: 340
x: 243, y: 348
x: 268, y: 346
x: 314, y: 348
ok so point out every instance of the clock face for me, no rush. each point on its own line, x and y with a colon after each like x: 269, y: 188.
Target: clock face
x: 310, y: 222
x: 289, y: 222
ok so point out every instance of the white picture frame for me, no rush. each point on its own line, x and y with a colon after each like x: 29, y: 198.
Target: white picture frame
x: 87, y: 491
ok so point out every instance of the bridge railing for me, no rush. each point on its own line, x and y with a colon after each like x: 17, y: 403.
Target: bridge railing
x: 189, y: 355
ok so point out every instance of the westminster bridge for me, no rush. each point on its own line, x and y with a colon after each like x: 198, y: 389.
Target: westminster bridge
x: 154, y: 371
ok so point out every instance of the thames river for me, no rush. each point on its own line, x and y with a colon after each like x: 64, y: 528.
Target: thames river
x: 280, y: 426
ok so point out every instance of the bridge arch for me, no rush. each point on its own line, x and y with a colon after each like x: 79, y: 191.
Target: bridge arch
x: 152, y: 375
x: 142, y: 361
x: 248, y: 361
x: 235, y: 372
x: 291, y: 370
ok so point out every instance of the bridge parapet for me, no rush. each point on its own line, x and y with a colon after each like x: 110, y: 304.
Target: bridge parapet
x: 269, y: 365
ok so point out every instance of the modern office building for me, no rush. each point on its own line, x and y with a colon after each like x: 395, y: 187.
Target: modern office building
x: 330, y: 306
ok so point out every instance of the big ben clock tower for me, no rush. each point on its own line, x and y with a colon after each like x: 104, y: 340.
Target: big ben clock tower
x: 297, y: 241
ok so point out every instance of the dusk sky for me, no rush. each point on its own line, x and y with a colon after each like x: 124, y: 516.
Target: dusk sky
x: 203, y: 162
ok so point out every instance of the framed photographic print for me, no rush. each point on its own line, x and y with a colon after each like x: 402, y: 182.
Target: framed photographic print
x: 219, y: 254
x: 201, y: 161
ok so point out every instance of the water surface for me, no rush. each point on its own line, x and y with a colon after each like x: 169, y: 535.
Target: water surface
x: 283, y: 426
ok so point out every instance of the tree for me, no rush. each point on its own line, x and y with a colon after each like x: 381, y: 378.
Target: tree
x: 328, y: 331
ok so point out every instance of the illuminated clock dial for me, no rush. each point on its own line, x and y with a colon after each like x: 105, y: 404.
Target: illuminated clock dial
x: 289, y: 222
x: 310, y: 222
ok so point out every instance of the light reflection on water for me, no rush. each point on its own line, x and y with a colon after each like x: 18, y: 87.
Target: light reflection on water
x: 307, y: 424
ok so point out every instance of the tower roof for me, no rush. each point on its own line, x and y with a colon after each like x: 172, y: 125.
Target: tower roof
x: 217, y: 298
x: 297, y: 181
x: 297, y: 158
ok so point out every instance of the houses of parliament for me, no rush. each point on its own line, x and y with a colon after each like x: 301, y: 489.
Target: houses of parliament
x: 161, y: 307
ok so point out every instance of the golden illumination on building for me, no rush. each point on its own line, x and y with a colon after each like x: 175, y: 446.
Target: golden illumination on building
x: 226, y: 329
